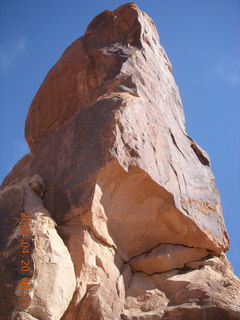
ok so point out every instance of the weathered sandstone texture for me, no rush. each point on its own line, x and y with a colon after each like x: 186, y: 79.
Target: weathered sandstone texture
x: 125, y: 217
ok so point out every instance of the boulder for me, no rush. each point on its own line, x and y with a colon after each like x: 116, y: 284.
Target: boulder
x: 35, y: 263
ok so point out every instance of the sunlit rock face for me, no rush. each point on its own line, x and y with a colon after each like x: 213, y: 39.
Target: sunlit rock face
x: 130, y: 209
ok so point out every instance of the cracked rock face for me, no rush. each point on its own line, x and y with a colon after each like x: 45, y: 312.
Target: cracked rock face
x: 124, y: 199
x: 51, y: 273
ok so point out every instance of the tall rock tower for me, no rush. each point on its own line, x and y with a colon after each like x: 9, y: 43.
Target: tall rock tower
x: 114, y: 214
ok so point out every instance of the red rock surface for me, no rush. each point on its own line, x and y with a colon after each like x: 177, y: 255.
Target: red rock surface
x: 123, y: 180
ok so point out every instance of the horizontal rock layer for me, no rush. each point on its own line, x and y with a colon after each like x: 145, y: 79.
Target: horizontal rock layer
x: 166, y: 257
x: 132, y: 195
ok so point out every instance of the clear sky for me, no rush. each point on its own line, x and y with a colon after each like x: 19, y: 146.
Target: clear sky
x: 202, y: 40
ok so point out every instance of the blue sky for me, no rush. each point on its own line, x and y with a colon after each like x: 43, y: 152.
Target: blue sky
x: 202, y: 40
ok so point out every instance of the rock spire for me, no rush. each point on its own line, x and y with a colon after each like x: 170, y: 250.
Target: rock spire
x: 125, y: 219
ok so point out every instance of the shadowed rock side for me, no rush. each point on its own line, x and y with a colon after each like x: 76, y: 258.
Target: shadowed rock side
x: 130, y: 194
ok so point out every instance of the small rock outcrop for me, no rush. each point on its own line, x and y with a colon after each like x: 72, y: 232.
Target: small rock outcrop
x: 124, y: 216
x: 35, y: 262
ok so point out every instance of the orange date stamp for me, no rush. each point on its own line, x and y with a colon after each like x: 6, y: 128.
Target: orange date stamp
x: 25, y: 263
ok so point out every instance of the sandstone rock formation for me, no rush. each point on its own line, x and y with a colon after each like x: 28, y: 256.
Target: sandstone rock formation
x: 51, y: 269
x: 131, y: 195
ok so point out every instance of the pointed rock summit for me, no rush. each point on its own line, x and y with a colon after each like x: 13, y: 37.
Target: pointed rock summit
x: 125, y: 219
